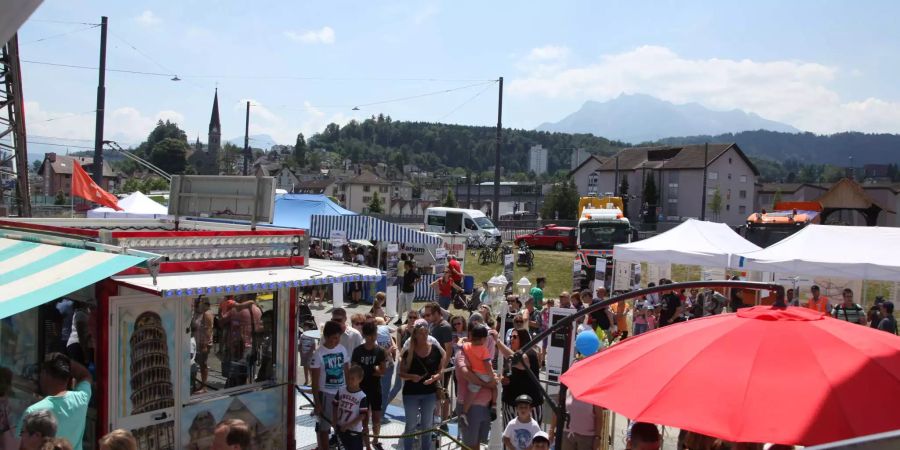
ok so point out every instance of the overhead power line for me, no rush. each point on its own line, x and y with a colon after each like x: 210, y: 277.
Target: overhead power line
x: 59, y: 145
x: 74, y: 66
x: 458, y: 107
x: 54, y: 36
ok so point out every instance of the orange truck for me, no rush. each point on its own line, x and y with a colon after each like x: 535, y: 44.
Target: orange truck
x: 765, y: 228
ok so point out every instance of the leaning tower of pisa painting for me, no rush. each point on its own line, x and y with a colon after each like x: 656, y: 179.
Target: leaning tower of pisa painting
x: 151, y: 380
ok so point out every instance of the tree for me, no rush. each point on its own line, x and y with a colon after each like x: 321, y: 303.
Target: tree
x: 36, y: 166
x: 450, y: 200
x: 300, y: 150
x: 561, y: 202
x: 375, y: 206
x: 715, y: 204
x: 164, y: 130
x: 776, y: 199
x: 650, y: 197
x: 169, y: 155
x: 60, y: 199
x: 623, y: 192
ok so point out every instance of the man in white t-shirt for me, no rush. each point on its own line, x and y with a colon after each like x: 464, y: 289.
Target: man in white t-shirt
x: 328, y: 366
x: 520, y: 430
x: 351, y: 338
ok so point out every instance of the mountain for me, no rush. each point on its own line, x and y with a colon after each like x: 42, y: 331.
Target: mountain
x: 638, y: 118
x: 263, y: 141
x: 836, y: 149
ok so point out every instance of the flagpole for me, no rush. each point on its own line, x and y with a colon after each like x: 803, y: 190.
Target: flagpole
x: 72, y: 195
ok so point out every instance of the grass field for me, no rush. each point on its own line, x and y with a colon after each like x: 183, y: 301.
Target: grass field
x: 555, y: 266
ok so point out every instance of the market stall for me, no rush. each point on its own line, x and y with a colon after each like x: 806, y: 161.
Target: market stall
x: 693, y: 242
x: 162, y: 368
x: 861, y: 253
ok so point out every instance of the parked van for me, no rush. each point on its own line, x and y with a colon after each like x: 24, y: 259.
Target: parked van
x: 462, y: 221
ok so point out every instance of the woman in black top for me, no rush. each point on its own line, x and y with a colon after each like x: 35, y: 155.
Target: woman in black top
x: 421, y: 371
x: 516, y: 380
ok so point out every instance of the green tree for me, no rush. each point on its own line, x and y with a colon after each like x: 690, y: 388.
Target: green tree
x: 375, y: 206
x: 650, y: 193
x: 300, y: 149
x: 715, y: 204
x: 776, y: 199
x: 561, y: 202
x: 36, y: 166
x: 450, y: 199
x: 623, y: 192
x: 162, y: 131
x: 169, y: 155
x: 60, y: 199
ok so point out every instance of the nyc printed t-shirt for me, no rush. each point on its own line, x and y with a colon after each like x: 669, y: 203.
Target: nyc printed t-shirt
x: 349, y: 406
x: 331, y: 361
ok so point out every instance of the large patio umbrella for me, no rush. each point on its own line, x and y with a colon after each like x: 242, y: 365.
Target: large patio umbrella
x: 764, y: 374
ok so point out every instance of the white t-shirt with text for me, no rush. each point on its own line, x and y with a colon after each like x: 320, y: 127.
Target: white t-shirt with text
x: 349, y: 405
x: 332, y: 362
x: 520, y: 433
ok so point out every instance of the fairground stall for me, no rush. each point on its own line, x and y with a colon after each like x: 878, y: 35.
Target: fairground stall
x: 184, y: 323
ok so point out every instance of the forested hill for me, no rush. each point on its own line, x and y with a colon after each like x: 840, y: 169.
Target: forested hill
x: 834, y: 149
x: 433, y: 146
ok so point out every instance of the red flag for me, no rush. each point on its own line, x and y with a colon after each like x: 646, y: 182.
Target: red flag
x: 83, y: 186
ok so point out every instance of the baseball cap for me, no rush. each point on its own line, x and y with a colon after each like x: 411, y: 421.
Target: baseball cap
x: 540, y: 436
x: 524, y: 398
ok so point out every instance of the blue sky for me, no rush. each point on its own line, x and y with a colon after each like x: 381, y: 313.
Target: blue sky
x: 822, y: 66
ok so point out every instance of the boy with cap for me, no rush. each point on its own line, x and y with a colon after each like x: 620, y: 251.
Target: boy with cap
x: 520, y: 431
x: 540, y: 441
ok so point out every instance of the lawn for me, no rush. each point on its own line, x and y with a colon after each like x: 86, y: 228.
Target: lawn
x: 555, y: 266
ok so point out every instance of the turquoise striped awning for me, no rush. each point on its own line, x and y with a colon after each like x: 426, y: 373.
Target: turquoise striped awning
x: 32, y: 273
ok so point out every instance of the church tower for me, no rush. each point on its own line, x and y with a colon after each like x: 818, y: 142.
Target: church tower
x: 215, y: 130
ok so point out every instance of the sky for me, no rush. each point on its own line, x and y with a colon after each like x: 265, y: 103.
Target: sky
x: 821, y: 66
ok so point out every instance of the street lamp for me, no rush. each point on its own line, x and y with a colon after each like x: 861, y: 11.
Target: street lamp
x: 524, y: 287
x: 496, y: 288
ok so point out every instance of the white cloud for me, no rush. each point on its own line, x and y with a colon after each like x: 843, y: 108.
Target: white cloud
x: 794, y: 92
x: 149, y: 19
x: 127, y: 125
x: 284, y: 125
x: 325, y: 35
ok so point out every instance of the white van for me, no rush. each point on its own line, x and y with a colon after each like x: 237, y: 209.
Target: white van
x: 462, y: 221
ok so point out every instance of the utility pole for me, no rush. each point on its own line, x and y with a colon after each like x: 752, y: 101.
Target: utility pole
x: 705, y: 167
x: 495, y: 210
x: 616, y: 185
x: 101, y: 101
x: 247, y: 141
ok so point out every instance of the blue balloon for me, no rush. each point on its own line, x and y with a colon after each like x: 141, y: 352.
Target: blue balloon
x: 587, y: 343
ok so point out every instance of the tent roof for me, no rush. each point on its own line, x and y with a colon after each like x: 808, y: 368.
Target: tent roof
x: 866, y: 253
x: 295, y: 210
x: 693, y: 242
x: 139, y: 203
x: 369, y: 228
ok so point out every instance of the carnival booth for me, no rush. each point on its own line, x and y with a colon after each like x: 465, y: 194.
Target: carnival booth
x: 200, y: 333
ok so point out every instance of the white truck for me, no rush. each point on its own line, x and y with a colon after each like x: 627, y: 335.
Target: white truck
x: 599, y: 229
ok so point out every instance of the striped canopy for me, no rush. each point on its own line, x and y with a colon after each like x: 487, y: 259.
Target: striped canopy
x: 32, y: 273
x: 369, y: 228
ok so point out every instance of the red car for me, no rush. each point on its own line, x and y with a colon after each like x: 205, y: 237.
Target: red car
x: 550, y: 236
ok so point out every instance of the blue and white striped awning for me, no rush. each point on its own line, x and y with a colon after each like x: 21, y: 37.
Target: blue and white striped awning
x: 369, y: 228
x: 223, y: 282
x: 32, y: 273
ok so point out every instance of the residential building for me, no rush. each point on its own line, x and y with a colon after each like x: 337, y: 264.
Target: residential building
x: 585, y: 175
x: 402, y: 202
x: 537, y: 161
x: 678, y: 172
x: 529, y: 196
x: 57, y: 173
x: 357, y: 192
x: 325, y: 186
x: 579, y: 155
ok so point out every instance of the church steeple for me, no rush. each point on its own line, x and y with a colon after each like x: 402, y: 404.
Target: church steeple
x: 215, y: 128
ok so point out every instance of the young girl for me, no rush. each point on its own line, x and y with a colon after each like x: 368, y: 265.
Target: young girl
x: 377, y: 309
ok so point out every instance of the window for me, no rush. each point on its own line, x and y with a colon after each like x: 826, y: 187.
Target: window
x: 743, y: 178
x: 710, y: 192
x: 470, y: 225
x: 742, y: 194
x: 729, y: 160
x: 713, y: 175
x: 367, y: 199
x: 383, y: 189
x: 242, y: 350
x: 672, y: 207
x: 727, y: 207
x: 366, y: 188
x: 673, y: 190
x: 437, y: 221
x: 742, y: 209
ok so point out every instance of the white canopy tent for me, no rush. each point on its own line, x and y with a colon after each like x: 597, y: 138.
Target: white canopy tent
x: 693, y: 242
x: 135, y: 205
x: 859, y: 253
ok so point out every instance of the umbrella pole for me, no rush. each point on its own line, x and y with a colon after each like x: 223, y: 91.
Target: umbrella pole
x: 562, y: 418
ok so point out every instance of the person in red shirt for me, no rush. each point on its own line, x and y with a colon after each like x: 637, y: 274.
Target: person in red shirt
x: 455, y: 270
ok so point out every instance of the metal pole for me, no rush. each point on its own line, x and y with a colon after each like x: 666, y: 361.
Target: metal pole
x: 17, y: 117
x: 247, y: 141
x: 703, y: 194
x: 616, y: 186
x: 495, y: 210
x: 561, y: 418
x: 101, y: 101
x: 496, y: 436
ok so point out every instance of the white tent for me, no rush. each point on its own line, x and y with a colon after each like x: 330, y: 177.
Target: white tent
x: 857, y: 253
x: 136, y: 205
x: 693, y: 242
